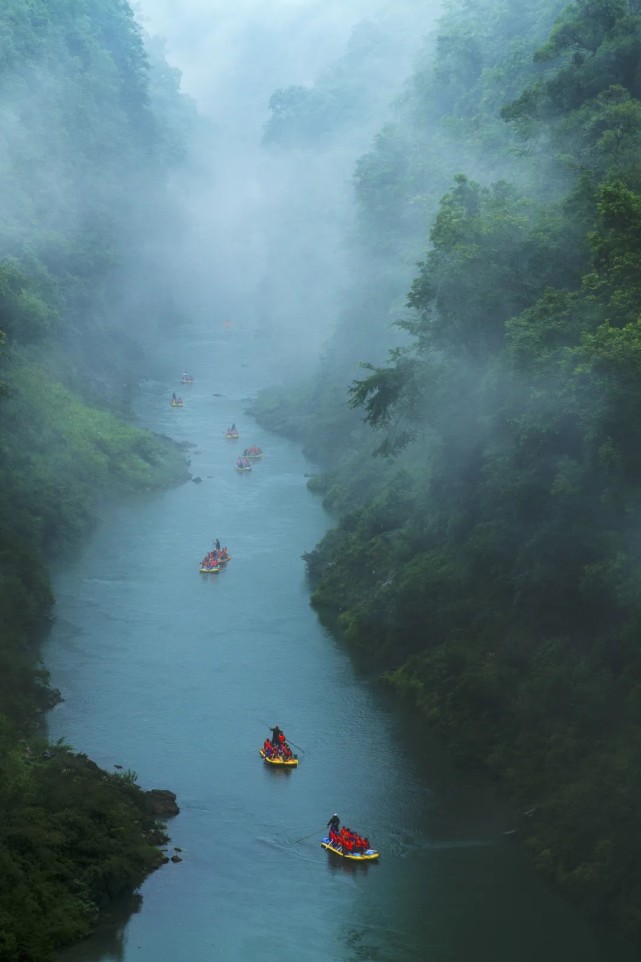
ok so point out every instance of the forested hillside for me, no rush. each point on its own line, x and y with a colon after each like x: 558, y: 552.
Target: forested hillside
x: 490, y: 556
x: 87, y: 135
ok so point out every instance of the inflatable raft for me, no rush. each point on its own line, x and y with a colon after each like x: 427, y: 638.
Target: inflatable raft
x: 212, y: 569
x: 186, y: 379
x: 277, y: 760
x: 232, y: 435
x: 369, y: 855
x: 177, y: 404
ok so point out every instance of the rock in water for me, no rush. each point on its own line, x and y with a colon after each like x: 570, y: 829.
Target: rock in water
x: 162, y: 802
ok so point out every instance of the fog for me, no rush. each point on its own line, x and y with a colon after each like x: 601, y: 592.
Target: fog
x: 233, y: 54
x: 266, y: 226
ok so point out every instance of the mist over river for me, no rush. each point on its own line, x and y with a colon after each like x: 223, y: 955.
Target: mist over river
x: 177, y: 676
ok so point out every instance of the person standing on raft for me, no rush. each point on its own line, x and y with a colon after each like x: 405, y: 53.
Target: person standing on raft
x: 276, y: 733
x: 334, y: 823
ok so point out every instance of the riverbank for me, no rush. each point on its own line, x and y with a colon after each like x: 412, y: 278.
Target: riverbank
x: 74, y: 836
x: 536, y: 714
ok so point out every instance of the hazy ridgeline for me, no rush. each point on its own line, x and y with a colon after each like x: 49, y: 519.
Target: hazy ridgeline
x: 291, y: 95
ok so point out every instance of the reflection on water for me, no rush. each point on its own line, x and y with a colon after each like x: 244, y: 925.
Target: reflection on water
x: 108, y: 942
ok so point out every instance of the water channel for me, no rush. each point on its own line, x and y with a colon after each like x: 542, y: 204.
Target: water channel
x: 177, y: 676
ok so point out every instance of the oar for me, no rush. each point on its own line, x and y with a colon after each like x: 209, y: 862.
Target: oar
x: 315, y: 832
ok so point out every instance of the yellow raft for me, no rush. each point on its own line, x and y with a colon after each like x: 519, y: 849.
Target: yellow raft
x: 369, y: 856
x: 177, y: 404
x: 288, y: 762
x: 208, y: 571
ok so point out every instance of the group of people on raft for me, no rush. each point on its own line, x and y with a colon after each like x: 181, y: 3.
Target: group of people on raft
x: 216, y: 557
x: 176, y: 402
x: 187, y: 378
x: 243, y: 464
x: 253, y: 451
x: 277, y: 746
x: 344, y: 839
x: 232, y: 432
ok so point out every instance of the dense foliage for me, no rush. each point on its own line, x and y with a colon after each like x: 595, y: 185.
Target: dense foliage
x: 83, y: 156
x: 493, y: 561
x: 72, y: 837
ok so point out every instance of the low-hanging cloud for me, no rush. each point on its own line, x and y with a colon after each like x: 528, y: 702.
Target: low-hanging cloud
x: 269, y: 227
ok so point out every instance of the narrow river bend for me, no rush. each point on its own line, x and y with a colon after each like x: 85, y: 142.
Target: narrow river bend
x: 177, y: 675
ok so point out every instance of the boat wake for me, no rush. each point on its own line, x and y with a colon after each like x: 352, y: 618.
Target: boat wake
x: 407, y: 847
x: 304, y: 851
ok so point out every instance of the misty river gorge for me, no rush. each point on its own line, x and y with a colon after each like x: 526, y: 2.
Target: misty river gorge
x: 397, y: 244
x: 178, y: 675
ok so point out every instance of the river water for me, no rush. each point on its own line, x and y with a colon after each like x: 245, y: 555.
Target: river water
x: 177, y: 676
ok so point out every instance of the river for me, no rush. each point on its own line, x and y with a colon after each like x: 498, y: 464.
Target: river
x: 177, y: 676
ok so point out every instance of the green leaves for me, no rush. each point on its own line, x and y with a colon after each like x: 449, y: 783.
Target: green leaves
x: 598, y: 44
x: 388, y: 393
x: 24, y: 317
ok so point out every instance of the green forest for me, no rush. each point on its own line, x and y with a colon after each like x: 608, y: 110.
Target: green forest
x: 89, y: 132
x: 477, y: 418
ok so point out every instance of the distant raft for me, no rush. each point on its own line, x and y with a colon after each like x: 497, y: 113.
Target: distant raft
x: 187, y: 379
x: 232, y: 434
x: 214, y: 560
x: 254, y: 453
x: 279, y: 760
x: 367, y: 855
x: 177, y: 402
x: 243, y: 464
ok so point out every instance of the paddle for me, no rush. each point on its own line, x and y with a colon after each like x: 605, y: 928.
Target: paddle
x: 315, y: 832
